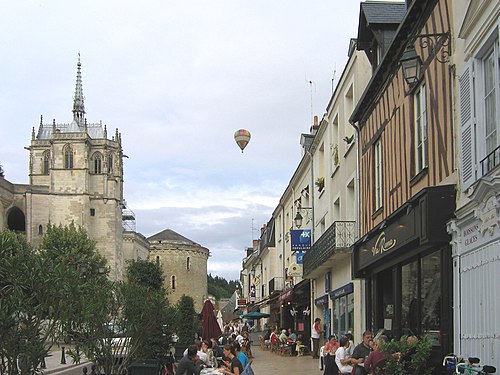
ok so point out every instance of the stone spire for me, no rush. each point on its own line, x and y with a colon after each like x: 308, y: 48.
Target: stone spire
x: 78, y: 99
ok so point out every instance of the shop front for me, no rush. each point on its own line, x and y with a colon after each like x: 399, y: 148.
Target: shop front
x: 407, y: 267
x: 342, y: 300
x: 476, y: 258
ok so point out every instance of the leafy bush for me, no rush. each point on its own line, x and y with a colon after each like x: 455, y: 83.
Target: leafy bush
x: 412, y: 356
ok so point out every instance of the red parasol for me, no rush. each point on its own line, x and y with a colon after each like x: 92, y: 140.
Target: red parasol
x: 211, y: 328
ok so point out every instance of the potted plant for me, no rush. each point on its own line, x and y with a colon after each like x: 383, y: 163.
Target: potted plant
x: 320, y: 183
x: 412, y: 356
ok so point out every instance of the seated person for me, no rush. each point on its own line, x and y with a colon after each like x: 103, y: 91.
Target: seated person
x: 283, y: 338
x: 376, y: 359
x: 342, y: 359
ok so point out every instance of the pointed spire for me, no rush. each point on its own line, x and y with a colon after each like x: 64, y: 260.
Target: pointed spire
x: 78, y: 99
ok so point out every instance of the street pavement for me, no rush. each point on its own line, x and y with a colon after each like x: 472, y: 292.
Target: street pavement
x: 53, y: 361
x: 264, y: 362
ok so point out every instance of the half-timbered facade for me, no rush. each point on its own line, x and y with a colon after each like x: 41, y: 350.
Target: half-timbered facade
x: 407, y: 178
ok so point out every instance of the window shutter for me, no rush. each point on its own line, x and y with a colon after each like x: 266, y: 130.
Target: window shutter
x: 467, y: 129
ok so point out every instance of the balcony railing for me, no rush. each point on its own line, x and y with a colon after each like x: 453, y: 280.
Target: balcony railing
x: 340, y: 235
x: 275, y: 285
x: 490, y: 161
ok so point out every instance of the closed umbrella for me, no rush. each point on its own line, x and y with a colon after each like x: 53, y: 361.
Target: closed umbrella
x: 219, y: 320
x: 211, y: 328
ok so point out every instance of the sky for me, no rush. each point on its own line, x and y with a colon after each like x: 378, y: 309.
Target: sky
x: 178, y: 78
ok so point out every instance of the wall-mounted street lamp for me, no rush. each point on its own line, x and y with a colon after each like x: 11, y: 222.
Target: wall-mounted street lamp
x: 298, y: 218
x: 439, y: 49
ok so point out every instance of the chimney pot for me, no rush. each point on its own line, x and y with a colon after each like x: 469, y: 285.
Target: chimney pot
x: 315, y: 120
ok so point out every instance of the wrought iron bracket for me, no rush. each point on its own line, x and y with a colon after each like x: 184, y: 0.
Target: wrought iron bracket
x: 438, y: 45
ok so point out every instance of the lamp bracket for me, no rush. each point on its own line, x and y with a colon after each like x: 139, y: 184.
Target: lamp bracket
x: 438, y: 45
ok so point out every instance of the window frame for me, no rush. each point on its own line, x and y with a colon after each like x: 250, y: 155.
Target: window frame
x: 68, y: 157
x: 378, y: 175
x: 420, y: 128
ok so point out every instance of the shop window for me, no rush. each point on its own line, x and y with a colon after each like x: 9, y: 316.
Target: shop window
x: 343, y: 314
x: 409, y: 298
x: 430, y: 296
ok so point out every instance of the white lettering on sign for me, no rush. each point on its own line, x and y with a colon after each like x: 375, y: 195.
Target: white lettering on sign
x: 382, y: 245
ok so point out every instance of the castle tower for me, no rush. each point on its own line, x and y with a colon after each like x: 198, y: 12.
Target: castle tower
x: 184, y: 265
x: 76, y: 175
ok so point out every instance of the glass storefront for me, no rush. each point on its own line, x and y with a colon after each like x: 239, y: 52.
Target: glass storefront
x: 342, y: 310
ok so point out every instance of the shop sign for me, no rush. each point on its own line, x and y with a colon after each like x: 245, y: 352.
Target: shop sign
x: 470, y: 235
x: 301, y: 239
x: 323, y: 300
x: 383, y: 244
x: 252, y: 293
x: 300, y: 258
x: 242, y: 302
x: 295, y: 270
x: 339, y: 292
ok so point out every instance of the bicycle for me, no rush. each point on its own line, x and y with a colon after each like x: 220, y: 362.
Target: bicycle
x: 471, y: 366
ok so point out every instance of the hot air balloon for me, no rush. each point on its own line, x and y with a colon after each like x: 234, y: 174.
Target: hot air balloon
x: 242, y: 137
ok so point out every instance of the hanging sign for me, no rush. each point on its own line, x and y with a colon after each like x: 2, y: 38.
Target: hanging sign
x: 301, y: 239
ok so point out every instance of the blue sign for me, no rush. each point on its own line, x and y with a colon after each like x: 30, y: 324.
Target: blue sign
x: 301, y: 239
x: 300, y: 258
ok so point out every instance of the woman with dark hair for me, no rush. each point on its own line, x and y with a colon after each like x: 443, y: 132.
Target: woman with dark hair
x: 233, y: 366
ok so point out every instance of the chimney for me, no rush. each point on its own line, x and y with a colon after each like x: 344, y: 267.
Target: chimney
x: 314, y: 128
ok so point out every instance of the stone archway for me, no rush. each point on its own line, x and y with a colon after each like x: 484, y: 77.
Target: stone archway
x: 16, y: 220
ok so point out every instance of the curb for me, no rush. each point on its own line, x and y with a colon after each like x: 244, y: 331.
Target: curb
x: 67, y: 367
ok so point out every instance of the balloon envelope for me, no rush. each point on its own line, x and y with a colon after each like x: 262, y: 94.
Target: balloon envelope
x: 242, y: 137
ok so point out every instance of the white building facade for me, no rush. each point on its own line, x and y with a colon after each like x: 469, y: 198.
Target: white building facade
x: 476, y: 228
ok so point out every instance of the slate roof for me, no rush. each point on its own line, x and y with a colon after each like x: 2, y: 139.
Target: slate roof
x: 169, y: 235
x: 383, y: 12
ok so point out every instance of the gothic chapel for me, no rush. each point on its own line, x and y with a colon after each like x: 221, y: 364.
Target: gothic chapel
x: 76, y: 175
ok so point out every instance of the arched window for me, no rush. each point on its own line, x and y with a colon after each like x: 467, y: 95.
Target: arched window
x: 110, y: 163
x: 45, y: 162
x: 16, y: 220
x: 40, y: 230
x: 68, y: 157
x: 97, y: 163
x: 188, y: 263
x: 173, y: 282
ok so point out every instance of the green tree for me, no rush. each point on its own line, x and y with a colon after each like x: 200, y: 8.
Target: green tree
x: 187, y: 320
x: 35, y: 294
x: 220, y: 287
x: 145, y: 273
x: 146, y: 311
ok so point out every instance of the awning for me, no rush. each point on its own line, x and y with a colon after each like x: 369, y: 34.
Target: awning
x: 286, y: 296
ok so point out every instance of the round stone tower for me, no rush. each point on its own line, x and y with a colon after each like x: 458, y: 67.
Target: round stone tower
x: 184, y: 265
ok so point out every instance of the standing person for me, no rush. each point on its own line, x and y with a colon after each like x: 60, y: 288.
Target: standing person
x: 187, y: 365
x: 315, y: 335
x: 233, y: 366
x: 361, y: 352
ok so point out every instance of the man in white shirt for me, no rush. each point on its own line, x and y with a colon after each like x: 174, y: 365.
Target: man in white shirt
x: 342, y: 358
